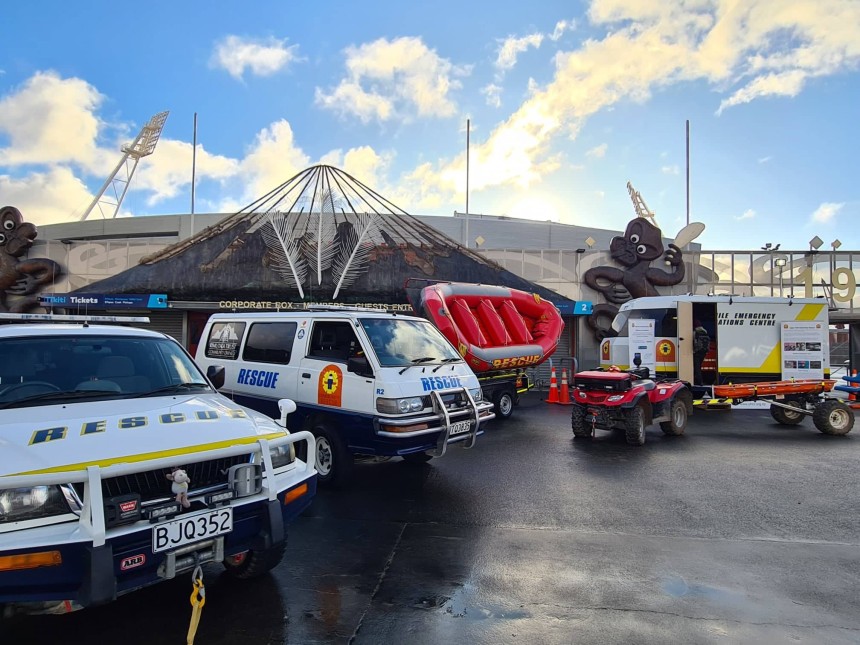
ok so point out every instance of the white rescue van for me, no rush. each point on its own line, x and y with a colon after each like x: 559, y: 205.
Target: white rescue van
x: 121, y: 466
x: 365, y: 382
x: 745, y: 335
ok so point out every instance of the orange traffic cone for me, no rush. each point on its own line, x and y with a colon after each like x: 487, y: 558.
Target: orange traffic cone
x: 565, y: 393
x: 553, y: 388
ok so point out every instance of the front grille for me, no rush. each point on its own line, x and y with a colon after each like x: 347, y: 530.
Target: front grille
x: 154, y: 484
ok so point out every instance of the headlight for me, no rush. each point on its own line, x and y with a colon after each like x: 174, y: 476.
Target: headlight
x: 18, y: 504
x: 400, y: 406
x: 477, y: 394
x: 282, y: 455
x: 615, y: 397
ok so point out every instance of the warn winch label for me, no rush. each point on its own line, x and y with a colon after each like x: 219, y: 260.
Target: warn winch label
x: 440, y: 382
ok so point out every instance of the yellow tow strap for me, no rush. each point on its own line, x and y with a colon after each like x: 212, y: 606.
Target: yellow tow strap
x: 198, y: 599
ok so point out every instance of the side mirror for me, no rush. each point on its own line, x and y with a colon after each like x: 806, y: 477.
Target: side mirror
x: 359, y: 365
x: 286, y: 407
x: 216, y: 373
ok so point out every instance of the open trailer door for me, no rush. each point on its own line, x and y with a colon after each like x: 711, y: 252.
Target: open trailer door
x: 685, y: 341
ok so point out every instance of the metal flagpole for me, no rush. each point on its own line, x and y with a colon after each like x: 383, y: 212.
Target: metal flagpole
x: 468, y: 129
x: 688, y: 172
x: 193, y: 170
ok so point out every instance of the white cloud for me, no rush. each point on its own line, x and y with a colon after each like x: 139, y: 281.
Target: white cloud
x: 512, y: 47
x: 261, y: 57
x: 51, y: 120
x: 652, y: 44
x: 167, y: 172
x: 274, y: 158
x: 765, y: 159
x: 394, y: 78
x: 47, y: 197
x: 670, y: 170
x: 561, y: 27
x: 493, y: 94
x: 747, y: 214
x: 826, y: 212
x: 598, y: 152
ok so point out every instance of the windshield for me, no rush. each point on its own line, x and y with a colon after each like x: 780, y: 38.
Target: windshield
x: 665, y: 321
x: 44, y: 370
x: 399, y: 342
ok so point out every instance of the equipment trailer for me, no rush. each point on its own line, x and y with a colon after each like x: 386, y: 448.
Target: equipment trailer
x: 790, y: 401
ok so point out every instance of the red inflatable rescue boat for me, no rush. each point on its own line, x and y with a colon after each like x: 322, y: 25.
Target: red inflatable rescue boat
x: 492, y: 327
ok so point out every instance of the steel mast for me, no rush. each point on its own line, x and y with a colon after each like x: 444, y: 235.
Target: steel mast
x: 142, y: 146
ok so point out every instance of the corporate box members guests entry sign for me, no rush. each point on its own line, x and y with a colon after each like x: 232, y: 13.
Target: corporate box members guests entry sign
x: 802, y: 346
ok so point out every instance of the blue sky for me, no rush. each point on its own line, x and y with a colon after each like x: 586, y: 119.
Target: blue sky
x: 568, y: 101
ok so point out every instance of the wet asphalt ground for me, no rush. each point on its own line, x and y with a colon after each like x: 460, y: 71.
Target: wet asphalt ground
x: 742, y: 531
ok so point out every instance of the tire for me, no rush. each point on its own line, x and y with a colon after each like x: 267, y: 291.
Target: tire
x: 417, y: 458
x: 581, y: 430
x: 833, y: 417
x: 678, y: 417
x: 786, y: 417
x: 334, y: 462
x: 256, y: 563
x: 504, y: 402
x: 634, y: 426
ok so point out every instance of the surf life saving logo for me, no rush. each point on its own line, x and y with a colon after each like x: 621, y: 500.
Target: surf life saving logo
x: 330, y: 386
x: 665, y: 351
x: 604, y: 351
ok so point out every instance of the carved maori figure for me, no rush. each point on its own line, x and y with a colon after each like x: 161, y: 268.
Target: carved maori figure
x: 641, y: 243
x: 21, y: 278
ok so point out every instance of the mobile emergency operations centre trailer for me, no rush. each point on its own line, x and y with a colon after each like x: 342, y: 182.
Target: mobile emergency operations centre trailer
x: 746, y: 336
x: 365, y: 381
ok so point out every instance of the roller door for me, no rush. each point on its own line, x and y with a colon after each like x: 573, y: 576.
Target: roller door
x: 562, y: 357
x: 168, y: 322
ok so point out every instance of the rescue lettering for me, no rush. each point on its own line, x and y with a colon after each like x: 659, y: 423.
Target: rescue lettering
x: 440, y: 382
x: 516, y: 361
x: 49, y: 434
x: 98, y: 426
x: 258, y: 378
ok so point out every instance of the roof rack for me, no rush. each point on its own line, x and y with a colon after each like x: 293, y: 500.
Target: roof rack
x: 73, y: 318
x: 344, y: 308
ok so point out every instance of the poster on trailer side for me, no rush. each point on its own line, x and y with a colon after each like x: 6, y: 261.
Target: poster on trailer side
x: 802, y: 347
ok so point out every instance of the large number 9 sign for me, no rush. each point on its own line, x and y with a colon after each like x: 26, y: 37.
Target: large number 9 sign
x: 842, y: 279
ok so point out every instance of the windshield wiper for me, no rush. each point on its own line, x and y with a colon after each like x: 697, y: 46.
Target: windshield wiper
x: 68, y: 395
x: 444, y: 362
x: 174, y: 388
x: 417, y: 361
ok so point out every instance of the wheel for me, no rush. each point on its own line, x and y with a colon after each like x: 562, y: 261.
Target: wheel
x: 255, y: 563
x: 581, y: 429
x: 504, y: 402
x: 634, y: 426
x: 417, y: 458
x: 786, y: 417
x: 833, y: 417
x: 678, y: 417
x: 334, y: 462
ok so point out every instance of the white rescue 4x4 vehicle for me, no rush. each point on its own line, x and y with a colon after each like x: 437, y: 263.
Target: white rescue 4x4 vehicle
x: 94, y: 420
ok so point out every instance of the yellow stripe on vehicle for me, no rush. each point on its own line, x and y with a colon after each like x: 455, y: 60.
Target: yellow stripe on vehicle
x: 771, y: 365
x: 148, y: 456
x: 809, y: 312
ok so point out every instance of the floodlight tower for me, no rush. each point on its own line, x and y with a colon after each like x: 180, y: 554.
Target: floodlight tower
x: 142, y: 146
x: 640, y: 206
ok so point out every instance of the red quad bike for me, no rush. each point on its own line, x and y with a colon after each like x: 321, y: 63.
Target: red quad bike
x: 628, y: 400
